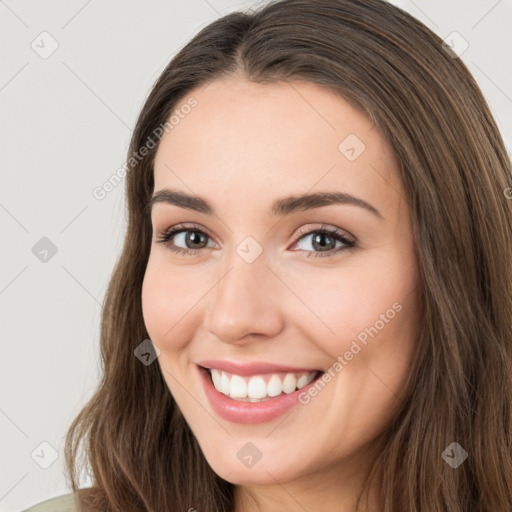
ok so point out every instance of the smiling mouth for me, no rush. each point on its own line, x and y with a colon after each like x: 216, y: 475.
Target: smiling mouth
x: 261, y: 387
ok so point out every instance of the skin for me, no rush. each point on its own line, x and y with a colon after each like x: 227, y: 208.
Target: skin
x: 243, y: 146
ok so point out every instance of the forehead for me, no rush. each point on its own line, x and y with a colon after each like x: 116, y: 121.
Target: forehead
x: 255, y: 141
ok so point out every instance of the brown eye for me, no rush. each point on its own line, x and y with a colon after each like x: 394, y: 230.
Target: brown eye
x: 324, y: 241
x: 194, y: 238
x: 191, y: 238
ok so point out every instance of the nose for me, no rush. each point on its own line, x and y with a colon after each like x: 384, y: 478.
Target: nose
x: 244, y: 305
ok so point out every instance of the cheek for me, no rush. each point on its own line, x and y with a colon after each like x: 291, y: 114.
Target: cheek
x: 373, y: 299
x: 167, y: 305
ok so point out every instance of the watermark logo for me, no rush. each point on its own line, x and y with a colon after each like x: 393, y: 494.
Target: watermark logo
x: 455, y: 45
x: 249, y: 454
x: 454, y: 455
x: 44, y: 455
x: 249, y: 249
x: 351, y: 147
x: 44, y: 250
x: 147, y: 352
x: 44, y: 45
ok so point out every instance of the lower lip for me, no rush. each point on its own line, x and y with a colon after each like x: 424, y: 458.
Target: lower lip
x: 249, y: 412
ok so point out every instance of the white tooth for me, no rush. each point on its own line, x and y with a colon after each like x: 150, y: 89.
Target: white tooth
x: 289, y: 383
x: 302, y: 380
x: 216, y: 378
x: 237, y: 387
x: 274, y: 386
x: 224, y: 384
x: 256, y: 388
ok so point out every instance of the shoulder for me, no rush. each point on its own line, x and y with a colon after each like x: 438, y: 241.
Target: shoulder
x: 64, y: 503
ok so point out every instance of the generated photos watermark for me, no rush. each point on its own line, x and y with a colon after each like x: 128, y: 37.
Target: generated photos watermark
x: 101, y: 191
x: 344, y: 359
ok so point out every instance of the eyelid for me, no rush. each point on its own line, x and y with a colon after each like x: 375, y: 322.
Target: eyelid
x: 186, y: 226
x: 309, y: 230
x: 348, y: 239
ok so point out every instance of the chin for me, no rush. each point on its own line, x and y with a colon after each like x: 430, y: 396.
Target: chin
x: 233, y: 465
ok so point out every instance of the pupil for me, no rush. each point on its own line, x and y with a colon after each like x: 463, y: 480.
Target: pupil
x: 194, y: 237
x: 319, y: 240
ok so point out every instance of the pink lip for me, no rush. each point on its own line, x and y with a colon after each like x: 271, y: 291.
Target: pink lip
x: 247, y: 369
x: 248, y: 412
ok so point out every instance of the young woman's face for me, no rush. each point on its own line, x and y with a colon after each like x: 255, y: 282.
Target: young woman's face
x: 261, y: 284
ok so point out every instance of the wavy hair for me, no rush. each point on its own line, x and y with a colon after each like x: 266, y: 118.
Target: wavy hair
x: 131, y: 435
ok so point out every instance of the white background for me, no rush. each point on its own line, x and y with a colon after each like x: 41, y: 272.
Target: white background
x: 65, y: 126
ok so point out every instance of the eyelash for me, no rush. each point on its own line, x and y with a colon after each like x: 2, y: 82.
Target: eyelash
x: 165, y: 238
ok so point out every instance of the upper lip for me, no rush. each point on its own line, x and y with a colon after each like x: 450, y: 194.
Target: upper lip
x: 253, y: 368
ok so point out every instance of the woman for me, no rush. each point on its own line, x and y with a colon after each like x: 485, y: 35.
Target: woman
x: 313, y: 306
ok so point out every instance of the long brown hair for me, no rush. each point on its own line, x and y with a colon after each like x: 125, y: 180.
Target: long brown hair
x: 138, y: 448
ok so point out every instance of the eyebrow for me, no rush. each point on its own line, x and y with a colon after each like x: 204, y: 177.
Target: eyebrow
x: 280, y: 207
